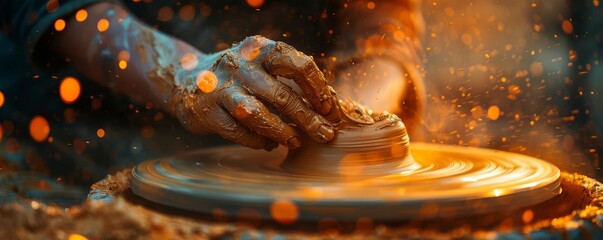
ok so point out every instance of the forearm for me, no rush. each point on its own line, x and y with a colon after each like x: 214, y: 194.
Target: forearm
x: 113, y: 48
x: 379, y: 59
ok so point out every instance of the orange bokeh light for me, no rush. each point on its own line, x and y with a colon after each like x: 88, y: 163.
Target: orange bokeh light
x: 100, y: 133
x: 81, y: 15
x: 52, y: 5
x: 187, y: 13
x: 75, y: 236
x: 59, y: 25
x: 102, y: 25
x: 370, y: 5
x: 189, y: 61
x: 122, y: 64
x: 123, y: 55
x: 493, y: 112
x: 39, y: 128
x: 207, y: 81
x: 255, y: 3
x: 567, y: 27
x: 1, y: 99
x: 284, y: 211
x: 165, y: 14
x: 70, y: 90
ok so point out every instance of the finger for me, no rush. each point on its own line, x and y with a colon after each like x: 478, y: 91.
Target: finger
x: 288, y: 103
x: 230, y: 129
x: 286, y: 61
x: 247, y: 110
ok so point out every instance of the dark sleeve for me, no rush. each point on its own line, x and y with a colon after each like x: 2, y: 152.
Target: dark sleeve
x: 25, y: 21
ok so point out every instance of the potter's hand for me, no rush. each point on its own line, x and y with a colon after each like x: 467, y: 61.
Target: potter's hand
x: 228, y: 93
x: 232, y: 91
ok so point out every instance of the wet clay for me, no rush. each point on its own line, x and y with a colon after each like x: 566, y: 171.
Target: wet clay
x: 365, y: 143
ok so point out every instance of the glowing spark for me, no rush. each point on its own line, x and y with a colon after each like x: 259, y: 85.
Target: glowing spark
x: 370, y: 5
x: 284, y: 211
x: 1, y: 99
x: 527, y: 216
x: 102, y: 25
x: 59, y: 25
x: 255, y: 3
x: 493, y: 112
x: 100, y: 133
x: 567, y: 27
x: 75, y: 236
x: 69, y: 90
x: 189, y: 61
x: 39, y: 128
x: 81, y: 15
x: 207, y: 81
x: 123, y: 64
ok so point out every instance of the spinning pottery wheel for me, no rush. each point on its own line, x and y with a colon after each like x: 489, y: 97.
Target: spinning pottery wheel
x: 369, y: 170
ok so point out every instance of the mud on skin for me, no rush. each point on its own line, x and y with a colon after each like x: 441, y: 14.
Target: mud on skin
x: 246, y: 88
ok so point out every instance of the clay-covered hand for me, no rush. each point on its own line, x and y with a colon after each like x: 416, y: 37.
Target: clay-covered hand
x: 231, y: 93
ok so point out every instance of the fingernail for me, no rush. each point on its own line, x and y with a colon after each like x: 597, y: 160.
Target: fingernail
x: 326, y: 132
x: 271, y: 146
x: 294, y: 143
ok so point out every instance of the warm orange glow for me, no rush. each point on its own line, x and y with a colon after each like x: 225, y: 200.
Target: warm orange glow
x: 75, y: 236
x: 102, y: 25
x: 284, y: 211
x: 52, y: 5
x: 207, y: 81
x: 527, y: 216
x: 187, y: 13
x: 70, y: 90
x: 255, y: 3
x: 477, y: 111
x: 1, y: 99
x: 250, y: 51
x: 165, y: 14
x: 123, y: 55
x: 123, y: 64
x: 370, y: 5
x: 189, y: 61
x: 81, y: 15
x: 493, y: 112
x: 59, y: 25
x: 39, y: 128
x: 514, y: 91
x: 100, y: 133
x: 567, y: 26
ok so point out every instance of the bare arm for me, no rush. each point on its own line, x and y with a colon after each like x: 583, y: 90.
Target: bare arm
x: 379, y: 59
x: 222, y: 92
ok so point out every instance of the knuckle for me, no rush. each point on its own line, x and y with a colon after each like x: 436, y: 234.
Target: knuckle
x: 281, y: 96
x: 228, y: 61
x: 257, y: 40
x: 240, y: 135
x: 244, y: 112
